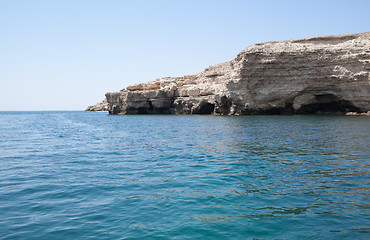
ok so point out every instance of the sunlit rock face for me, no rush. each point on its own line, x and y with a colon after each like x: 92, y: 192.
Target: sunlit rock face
x: 102, y: 106
x: 321, y: 75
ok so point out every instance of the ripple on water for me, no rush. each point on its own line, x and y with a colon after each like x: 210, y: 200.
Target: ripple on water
x: 79, y: 175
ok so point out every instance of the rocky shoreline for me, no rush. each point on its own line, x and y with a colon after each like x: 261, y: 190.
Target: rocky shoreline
x: 320, y: 75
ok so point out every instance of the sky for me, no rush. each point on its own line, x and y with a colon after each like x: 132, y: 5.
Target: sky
x: 66, y: 54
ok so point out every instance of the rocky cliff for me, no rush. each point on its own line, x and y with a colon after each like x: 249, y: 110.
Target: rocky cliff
x: 99, y: 107
x: 315, y: 75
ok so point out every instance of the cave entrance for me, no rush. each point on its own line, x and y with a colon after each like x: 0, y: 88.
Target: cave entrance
x: 328, y: 104
x: 205, y: 108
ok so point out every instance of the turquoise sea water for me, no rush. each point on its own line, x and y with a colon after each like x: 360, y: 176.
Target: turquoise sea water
x: 83, y: 175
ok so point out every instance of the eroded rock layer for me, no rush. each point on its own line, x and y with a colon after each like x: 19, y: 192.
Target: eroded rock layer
x: 315, y: 75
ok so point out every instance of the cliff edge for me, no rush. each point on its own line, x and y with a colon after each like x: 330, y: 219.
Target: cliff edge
x: 315, y: 75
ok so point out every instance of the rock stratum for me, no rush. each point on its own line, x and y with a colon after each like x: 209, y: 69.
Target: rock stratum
x: 307, y: 76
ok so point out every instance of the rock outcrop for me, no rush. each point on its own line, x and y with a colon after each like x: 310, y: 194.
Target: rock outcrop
x: 99, y: 107
x: 315, y: 75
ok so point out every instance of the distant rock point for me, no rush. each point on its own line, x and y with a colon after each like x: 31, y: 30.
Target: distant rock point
x: 320, y: 75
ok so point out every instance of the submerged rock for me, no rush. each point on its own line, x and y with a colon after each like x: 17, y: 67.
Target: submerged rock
x: 318, y: 75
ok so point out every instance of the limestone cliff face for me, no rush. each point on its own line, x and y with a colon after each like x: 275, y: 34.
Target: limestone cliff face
x: 99, y: 107
x: 315, y: 75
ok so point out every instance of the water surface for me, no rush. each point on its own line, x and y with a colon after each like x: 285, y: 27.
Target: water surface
x: 83, y: 175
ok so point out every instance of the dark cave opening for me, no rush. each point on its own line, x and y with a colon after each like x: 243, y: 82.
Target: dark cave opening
x: 328, y: 104
x: 338, y: 107
x: 205, y: 108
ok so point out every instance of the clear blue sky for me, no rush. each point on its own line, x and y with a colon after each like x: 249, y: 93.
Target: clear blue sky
x: 64, y: 55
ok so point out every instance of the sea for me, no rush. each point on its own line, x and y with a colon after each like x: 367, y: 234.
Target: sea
x: 90, y: 175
